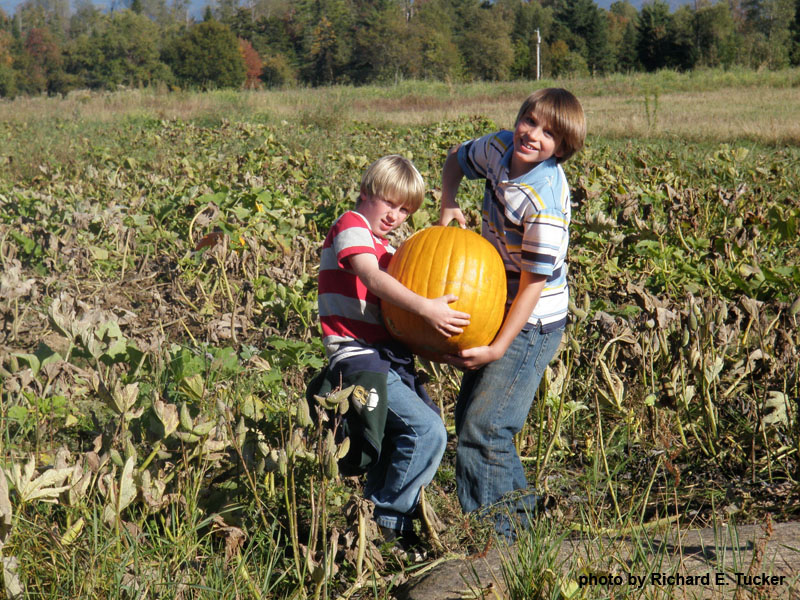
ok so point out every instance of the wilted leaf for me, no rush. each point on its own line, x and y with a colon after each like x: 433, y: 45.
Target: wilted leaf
x: 752, y: 306
x: 168, y: 416
x: 775, y: 409
x: 46, y: 487
x: 12, y: 286
x: 5, y: 511
x: 14, y: 589
x: 71, y: 534
x: 119, y: 495
x: 127, y: 488
x: 80, y: 483
x: 711, y: 372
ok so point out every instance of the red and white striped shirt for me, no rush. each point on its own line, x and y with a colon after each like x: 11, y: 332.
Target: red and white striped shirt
x: 347, y: 309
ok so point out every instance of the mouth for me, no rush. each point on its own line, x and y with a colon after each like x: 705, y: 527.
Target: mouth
x: 528, y: 147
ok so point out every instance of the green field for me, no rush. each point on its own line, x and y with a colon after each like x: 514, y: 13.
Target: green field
x: 153, y: 435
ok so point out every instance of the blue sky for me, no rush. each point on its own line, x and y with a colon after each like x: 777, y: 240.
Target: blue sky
x: 8, y: 6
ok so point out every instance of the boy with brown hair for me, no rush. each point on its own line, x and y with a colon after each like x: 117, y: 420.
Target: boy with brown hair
x: 526, y: 216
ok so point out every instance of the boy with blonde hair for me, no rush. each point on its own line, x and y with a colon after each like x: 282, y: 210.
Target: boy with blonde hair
x: 400, y: 453
x: 526, y: 216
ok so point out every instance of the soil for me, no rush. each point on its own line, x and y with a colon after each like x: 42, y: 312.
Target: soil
x: 742, y: 562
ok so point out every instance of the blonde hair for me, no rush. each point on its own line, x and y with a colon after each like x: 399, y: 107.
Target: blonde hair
x: 563, y: 113
x: 394, y: 178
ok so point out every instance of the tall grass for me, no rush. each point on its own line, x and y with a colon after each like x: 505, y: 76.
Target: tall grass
x: 710, y: 105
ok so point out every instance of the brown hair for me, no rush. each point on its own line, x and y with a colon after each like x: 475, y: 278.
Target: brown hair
x: 563, y: 113
x: 394, y: 178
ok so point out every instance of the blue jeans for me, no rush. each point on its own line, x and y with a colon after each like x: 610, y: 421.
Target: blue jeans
x: 413, y: 445
x: 492, y: 407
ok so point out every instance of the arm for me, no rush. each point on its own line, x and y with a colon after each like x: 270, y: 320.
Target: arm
x: 435, y: 311
x: 451, y: 179
x: 530, y: 290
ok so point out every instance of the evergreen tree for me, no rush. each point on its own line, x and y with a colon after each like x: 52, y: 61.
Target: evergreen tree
x: 622, y: 19
x: 526, y: 18
x: 714, y: 34
x: 585, y: 29
x: 684, y: 52
x: 654, y: 43
x: 226, y: 10
x: 380, y: 38
x: 794, y: 29
x: 432, y: 43
x: 326, y: 30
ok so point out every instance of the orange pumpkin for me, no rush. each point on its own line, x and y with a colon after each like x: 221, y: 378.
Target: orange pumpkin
x: 448, y: 260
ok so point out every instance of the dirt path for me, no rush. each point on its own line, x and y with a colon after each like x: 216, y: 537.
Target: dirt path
x: 737, y: 563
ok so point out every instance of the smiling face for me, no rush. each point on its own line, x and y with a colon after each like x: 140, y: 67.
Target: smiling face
x: 382, y: 214
x: 534, y: 142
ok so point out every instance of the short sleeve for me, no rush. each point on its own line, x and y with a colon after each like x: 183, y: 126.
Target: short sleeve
x: 351, y: 236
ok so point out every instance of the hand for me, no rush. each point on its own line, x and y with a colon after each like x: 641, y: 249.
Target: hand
x: 474, y: 358
x: 448, y: 214
x: 442, y: 318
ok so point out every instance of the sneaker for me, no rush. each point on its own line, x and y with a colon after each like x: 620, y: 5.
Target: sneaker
x: 400, y: 538
x: 514, y: 513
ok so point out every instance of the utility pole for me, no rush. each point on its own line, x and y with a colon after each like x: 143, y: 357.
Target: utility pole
x: 538, y: 55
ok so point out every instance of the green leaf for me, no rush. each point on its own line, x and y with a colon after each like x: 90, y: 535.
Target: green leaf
x: 46, y: 355
x: 31, y: 360
x: 98, y: 253
x: 193, y: 386
x: 18, y: 413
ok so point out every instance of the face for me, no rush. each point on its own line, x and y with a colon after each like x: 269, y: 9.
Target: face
x: 382, y: 214
x: 534, y: 142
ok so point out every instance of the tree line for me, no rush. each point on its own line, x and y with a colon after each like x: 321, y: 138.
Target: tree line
x: 48, y: 46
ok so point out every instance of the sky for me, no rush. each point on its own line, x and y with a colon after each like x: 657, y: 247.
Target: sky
x: 8, y: 6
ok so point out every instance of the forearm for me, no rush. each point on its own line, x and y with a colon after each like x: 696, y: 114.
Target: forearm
x: 451, y: 180
x: 519, y: 312
x: 387, y: 288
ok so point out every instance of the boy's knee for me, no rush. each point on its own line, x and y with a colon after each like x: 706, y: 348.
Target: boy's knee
x: 438, y: 435
x: 433, y: 435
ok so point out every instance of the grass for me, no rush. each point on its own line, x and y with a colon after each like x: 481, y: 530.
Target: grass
x: 132, y: 362
x: 705, y: 105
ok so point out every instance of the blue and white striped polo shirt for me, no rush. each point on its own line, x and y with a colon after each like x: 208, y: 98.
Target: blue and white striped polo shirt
x: 526, y: 219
